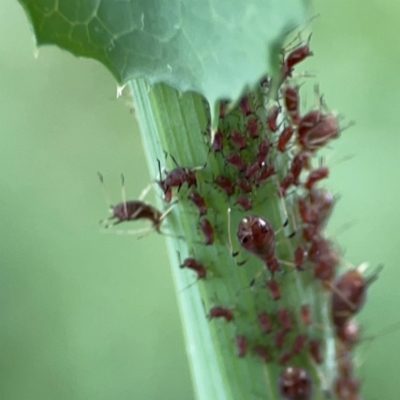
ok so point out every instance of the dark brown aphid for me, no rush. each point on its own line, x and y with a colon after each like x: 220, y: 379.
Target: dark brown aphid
x: 315, y: 176
x: 285, y: 357
x: 241, y: 345
x: 299, y: 256
x: 315, y: 350
x: 244, y: 106
x: 262, y: 151
x: 198, y: 200
x: 347, y: 388
x: 348, y: 296
x: 272, y: 117
x: 236, y: 161
x: 252, y: 128
x: 208, y: 231
x: 263, y: 352
x: 196, y: 266
x: 291, y: 98
x: 264, y: 321
x: 252, y: 169
x: 295, y: 384
x: 220, y: 312
x: 225, y: 184
x: 222, y: 108
x: 284, y: 319
x: 273, y: 288
x: 279, y: 338
x: 263, y: 174
x: 244, y: 201
x: 299, y: 162
x: 244, y: 185
x: 324, y: 256
x: 298, y: 343
x: 305, y: 314
x: 255, y: 234
x: 285, y: 184
x: 237, y: 139
x: 284, y: 138
x: 218, y: 142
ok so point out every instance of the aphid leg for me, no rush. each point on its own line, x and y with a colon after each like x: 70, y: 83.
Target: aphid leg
x: 167, y: 211
x: 145, y: 192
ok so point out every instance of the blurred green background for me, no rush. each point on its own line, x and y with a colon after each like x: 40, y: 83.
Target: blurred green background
x: 91, y: 316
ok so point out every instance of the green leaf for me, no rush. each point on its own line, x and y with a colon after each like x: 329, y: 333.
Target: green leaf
x: 214, y: 47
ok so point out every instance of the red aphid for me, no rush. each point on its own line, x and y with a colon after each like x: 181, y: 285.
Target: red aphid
x: 348, y: 296
x: 244, y: 201
x: 284, y: 138
x: 349, y: 333
x: 284, y: 358
x: 284, y: 319
x: 263, y: 174
x: 296, y: 56
x: 273, y: 288
x: 262, y: 151
x: 285, y: 184
x: 295, y: 384
x: 298, y: 343
x: 299, y: 256
x: 222, y: 108
x: 347, y: 388
x: 263, y: 352
x: 198, y: 200
x: 208, y: 231
x: 308, y: 121
x: 315, y: 176
x: 236, y: 161
x: 299, y: 162
x: 196, y: 266
x: 305, y: 314
x: 252, y: 169
x: 272, y: 117
x: 252, y: 128
x: 315, y: 350
x: 220, y: 312
x: 244, y: 106
x: 218, y: 142
x: 255, y: 234
x: 279, y: 338
x: 264, y: 321
x: 241, y: 345
x: 291, y: 98
x: 225, y: 184
x: 237, y: 139
x: 244, y: 185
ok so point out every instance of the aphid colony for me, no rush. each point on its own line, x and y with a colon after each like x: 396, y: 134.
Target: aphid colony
x: 265, y: 148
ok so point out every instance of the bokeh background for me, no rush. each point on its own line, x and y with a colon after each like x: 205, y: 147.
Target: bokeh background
x: 84, y: 315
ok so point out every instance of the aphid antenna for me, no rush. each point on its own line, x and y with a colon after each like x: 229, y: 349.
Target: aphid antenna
x: 105, y: 193
x: 123, y: 194
x: 145, y: 192
x: 298, y: 35
x: 159, y: 168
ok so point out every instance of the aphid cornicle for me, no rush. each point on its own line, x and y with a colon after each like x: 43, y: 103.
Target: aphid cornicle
x: 295, y: 384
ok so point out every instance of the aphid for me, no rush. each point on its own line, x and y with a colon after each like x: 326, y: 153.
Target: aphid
x: 133, y: 210
x: 299, y: 255
x: 225, y: 184
x: 348, y: 296
x: 241, y: 345
x: 198, y: 200
x: 273, y: 288
x: 284, y: 138
x: 244, y: 106
x: 272, y: 117
x: 324, y: 255
x: 255, y: 234
x: 298, y: 343
x: 244, y: 185
x: 208, y: 231
x: 315, y: 176
x: 299, y: 162
x: 251, y: 169
x: 236, y: 161
x: 315, y: 350
x: 279, y: 338
x: 264, y: 321
x: 220, y: 312
x: 305, y: 314
x: 347, y: 388
x: 349, y: 333
x: 285, y: 357
x: 196, y: 266
x: 308, y: 121
x: 218, y: 142
x: 237, y: 139
x: 296, y: 56
x: 263, y: 174
x: 262, y: 352
x: 295, y: 384
x: 176, y: 178
x: 262, y: 151
x: 286, y: 182
x: 284, y: 319
x: 291, y: 98
x: 244, y: 201
x: 320, y: 134
x: 252, y: 127
x: 222, y: 108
